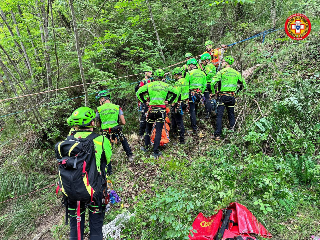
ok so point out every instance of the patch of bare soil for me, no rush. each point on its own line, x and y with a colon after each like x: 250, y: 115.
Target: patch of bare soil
x: 141, y: 178
x: 46, y: 222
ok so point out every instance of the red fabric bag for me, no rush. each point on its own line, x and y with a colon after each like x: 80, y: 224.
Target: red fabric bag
x: 241, y: 223
x: 206, y: 228
x: 247, y: 223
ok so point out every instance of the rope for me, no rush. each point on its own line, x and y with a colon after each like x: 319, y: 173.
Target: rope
x: 58, y: 89
x: 257, y: 35
x: 27, y: 194
x: 55, y: 103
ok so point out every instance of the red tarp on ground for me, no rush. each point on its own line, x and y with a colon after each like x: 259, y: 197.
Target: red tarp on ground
x: 206, y: 228
x: 247, y: 223
x: 241, y: 223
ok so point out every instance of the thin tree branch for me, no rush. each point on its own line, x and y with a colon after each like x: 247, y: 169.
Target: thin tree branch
x: 22, y: 46
x: 155, y: 29
x: 55, y: 46
x: 79, y: 51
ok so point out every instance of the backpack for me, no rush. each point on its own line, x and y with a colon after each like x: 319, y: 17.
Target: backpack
x: 79, y: 179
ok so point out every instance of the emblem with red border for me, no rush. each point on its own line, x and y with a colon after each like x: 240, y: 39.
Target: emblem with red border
x: 298, y: 26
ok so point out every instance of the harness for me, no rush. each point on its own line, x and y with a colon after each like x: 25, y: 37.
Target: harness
x: 114, y: 134
x: 231, y: 94
x: 196, y: 95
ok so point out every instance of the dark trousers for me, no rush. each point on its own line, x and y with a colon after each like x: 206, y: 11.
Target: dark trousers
x: 193, y: 107
x: 143, y: 122
x: 228, y: 102
x: 177, y: 122
x: 95, y: 222
x: 207, y: 102
x: 155, y: 115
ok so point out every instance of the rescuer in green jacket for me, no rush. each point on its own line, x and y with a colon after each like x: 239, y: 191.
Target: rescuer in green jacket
x: 159, y: 92
x: 210, y: 70
x: 197, y: 85
x: 180, y: 103
x: 82, y: 122
x: 227, y: 80
x: 108, y: 117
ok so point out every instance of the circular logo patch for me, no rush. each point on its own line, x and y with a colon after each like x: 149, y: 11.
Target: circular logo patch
x: 76, y: 113
x: 298, y: 26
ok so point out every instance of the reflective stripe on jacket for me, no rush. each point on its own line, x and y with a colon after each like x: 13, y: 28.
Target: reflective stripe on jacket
x: 229, y: 80
x: 109, y: 114
x: 197, y: 79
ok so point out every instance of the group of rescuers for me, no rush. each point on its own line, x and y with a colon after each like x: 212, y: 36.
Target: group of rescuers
x: 192, y: 82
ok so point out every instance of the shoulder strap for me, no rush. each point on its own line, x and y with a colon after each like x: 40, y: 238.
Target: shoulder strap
x: 92, y: 136
x: 70, y: 137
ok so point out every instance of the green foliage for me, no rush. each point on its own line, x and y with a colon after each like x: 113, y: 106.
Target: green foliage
x: 164, y: 215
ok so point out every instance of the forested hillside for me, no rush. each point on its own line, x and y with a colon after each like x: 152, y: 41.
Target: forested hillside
x: 56, y: 55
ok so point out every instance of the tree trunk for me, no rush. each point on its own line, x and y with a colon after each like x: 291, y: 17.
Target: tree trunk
x: 9, y: 75
x: 4, y: 19
x: 273, y: 13
x: 30, y: 37
x: 26, y: 89
x: 45, y: 37
x: 223, y: 25
x: 15, y: 66
x: 155, y: 29
x: 55, y: 45
x: 3, y: 83
x: 79, y: 52
x: 23, y: 47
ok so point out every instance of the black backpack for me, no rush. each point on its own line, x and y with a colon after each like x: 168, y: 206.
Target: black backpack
x: 79, y: 179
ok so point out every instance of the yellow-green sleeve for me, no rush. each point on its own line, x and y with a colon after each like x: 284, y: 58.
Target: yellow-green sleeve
x: 142, y: 89
x: 215, y: 79
x: 177, y: 90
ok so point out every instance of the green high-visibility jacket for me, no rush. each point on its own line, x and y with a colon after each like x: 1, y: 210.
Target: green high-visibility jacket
x: 183, y: 87
x: 197, y: 79
x: 228, y: 80
x: 210, y: 70
x: 102, y: 147
x: 109, y: 114
x: 158, y: 92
